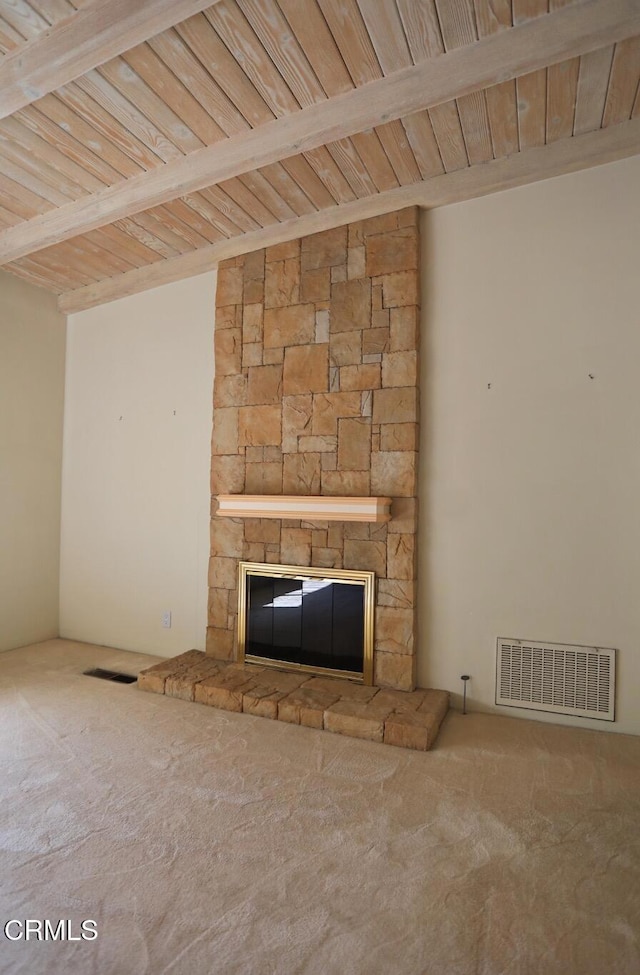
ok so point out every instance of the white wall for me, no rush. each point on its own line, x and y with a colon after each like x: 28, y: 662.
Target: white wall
x: 137, y: 433
x: 530, y: 516
x: 32, y: 344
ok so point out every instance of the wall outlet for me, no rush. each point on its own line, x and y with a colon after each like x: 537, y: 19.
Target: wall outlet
x: 166, y: 619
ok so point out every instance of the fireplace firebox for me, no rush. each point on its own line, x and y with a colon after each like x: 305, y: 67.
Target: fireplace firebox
x: 306, y: 618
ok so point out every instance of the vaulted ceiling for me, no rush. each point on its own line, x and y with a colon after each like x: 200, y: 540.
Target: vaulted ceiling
x: 142, y: 141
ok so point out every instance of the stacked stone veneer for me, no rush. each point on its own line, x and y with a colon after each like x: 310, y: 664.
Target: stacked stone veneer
x: 316, y: 393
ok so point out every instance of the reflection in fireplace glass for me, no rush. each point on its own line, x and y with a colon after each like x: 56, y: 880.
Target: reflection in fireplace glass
x: 312, y: 622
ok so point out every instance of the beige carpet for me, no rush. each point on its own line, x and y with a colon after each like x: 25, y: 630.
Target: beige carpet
x: 210, y: 843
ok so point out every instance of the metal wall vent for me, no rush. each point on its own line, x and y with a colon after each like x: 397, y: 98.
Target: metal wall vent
x: 557, y: 678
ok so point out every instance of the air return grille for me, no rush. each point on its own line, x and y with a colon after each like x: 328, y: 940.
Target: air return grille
x: 552, y: 677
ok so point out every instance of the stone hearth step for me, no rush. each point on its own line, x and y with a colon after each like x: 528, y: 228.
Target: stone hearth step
x: 410, y: 719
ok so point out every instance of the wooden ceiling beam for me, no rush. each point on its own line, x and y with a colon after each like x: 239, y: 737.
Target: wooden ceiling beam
x: 531, y: 165
x: 97, y: 32
x: 549, y: 39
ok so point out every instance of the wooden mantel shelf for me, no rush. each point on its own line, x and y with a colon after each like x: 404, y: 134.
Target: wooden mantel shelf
x: 304, y: 507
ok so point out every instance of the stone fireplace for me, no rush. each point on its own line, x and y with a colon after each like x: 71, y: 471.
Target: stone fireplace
x: 316, y: 393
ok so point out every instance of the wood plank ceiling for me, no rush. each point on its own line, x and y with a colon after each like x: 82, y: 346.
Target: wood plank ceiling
x: 141, y: 141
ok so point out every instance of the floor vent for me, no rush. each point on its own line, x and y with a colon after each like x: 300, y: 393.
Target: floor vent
x: 556, y: 678
x: 112, y: 675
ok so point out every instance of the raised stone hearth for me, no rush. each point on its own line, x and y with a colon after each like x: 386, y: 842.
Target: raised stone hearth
x: 411, y: 719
